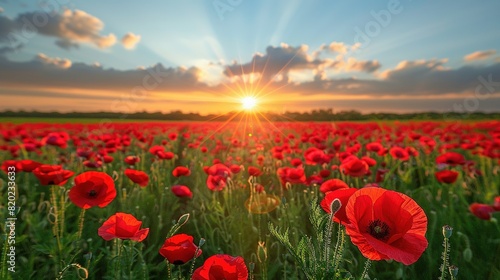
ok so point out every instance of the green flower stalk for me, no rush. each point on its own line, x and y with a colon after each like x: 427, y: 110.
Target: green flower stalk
x: 447, y: 232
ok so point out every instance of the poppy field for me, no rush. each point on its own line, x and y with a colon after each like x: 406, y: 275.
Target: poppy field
x: 253, y: 200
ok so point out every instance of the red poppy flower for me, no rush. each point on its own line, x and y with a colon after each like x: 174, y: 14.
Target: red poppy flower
x: 496, y: 203
x: 179, y: 249
x: 343, y: 195
x: 93, y: 163
x: 399, y: 153
x: 450, y: 158
x: 332, y: 185
x: 165, y: 155
x: 181, y: 171
x: 28, y: 165
x: 52, y: 174
x: 123, y: 226
x: 386, y: 225
x: 172, y: 136
x: 219, y: 169
x: 325, y: 173
x: 155, y: 149
x: 222, y: 267
x: 354, y: 167
x: 377, y: 148
x: 182, y: 191
x: 11, y: 163
x: 258, y: 188
x: 131, y: 160
x: 137, y: 176
x: 446, y: 176
x: 216, y: 183
x: 370, y: 161
x: 254, y: 171
x: 314, y: 180
x: 91, y: 189
x: 84, y: 152
x: 315, y: 156
x: 235, y: 169
x: 482, y: 211
x: 292, y: 175
x: 296, y: 162
x: 56, y: 139
x: 107, y: 159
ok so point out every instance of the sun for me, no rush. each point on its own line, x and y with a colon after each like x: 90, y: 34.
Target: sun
x: 248, y: 103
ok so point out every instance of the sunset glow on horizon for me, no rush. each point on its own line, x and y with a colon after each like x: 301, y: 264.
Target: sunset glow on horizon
x: 369, y: 57
x: 248, y: 103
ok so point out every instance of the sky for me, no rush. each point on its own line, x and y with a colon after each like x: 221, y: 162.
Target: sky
x: 204, y: 56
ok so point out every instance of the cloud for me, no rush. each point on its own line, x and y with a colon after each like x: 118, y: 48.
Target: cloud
x: 1, y: 10
x: 340, y: 48
x: 58, y: 73
x: 276, y: 60
x: 130, y: 40
x: 337, y: 47
x: 352, y: 64
x: 4, y: 50
x: 6, y: 26
x: 57, y: 62
x: 70, y: 27
x: 412, y: 78
x: 480, y: 55
x: 406, y: 68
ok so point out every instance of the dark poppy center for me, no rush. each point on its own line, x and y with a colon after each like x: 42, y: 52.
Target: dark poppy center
x: 92, y: 193
x: 378, y: 229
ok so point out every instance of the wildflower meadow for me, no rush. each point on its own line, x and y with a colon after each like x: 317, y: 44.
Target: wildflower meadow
x: 282, y: 200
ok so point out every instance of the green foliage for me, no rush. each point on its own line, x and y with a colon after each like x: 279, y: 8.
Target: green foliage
x: 313, y: 254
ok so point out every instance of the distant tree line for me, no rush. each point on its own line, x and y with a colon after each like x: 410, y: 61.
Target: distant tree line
x: 314, y: 115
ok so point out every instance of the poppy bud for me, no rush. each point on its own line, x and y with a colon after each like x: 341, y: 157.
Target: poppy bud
x: 453, y: 270
x: 335, y: 206
x: 447, y: 231
x: 467, y: 253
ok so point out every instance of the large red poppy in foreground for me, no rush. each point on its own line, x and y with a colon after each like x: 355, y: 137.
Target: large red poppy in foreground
x: 386, y: 225
x: 92, y: 188
x: 123, y: 226
x: 222, y: 267
x: 179, y: 249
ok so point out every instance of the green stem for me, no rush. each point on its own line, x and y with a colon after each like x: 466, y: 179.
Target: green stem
x: 169, y: 271
x: 61, y: 215
x: 444, y: 266
x: 4, y: 257
x: 328, y: 238
x: 117, y: 257
x: 368, y: 263
x: 55, y: 227
x: 80, y: 223
x: 339, y: 247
